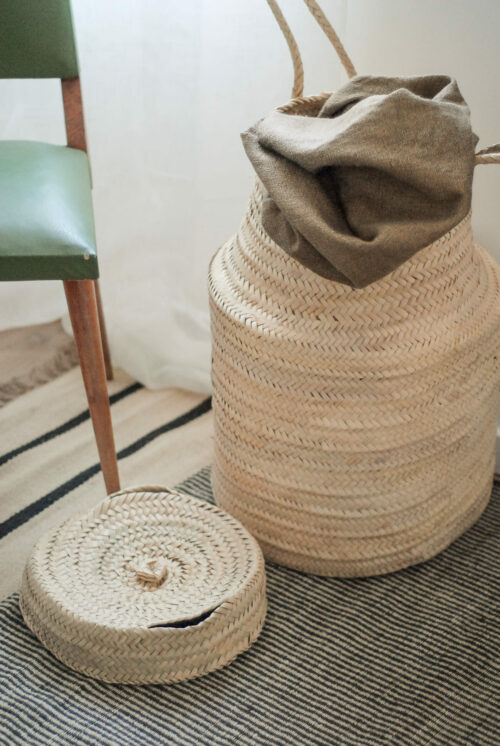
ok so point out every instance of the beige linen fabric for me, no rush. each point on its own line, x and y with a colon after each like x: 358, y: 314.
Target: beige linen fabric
x: 383, y: 170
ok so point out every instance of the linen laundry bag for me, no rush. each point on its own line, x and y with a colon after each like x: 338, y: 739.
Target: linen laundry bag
x: 356, y: 329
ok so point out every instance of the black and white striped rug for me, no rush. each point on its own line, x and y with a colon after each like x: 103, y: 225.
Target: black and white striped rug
x: 412, y: 658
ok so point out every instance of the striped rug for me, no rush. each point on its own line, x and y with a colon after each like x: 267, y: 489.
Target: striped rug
x: 412, y: 658
x: 49, y: 468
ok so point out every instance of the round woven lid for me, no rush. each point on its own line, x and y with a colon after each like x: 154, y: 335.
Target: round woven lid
x: 151, y: 586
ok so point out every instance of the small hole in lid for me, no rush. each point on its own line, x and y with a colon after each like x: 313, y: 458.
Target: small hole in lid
x: 183, y: 623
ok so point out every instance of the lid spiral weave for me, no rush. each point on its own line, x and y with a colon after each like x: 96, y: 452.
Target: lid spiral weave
x: 151, y: 586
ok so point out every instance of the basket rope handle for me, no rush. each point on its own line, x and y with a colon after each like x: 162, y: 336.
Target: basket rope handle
x: 485, y: 156
x: 488, y: 155
x: 326, y: 26
x: 298, y: 68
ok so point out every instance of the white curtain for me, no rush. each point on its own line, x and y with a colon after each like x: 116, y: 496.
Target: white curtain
x: 168, y: 86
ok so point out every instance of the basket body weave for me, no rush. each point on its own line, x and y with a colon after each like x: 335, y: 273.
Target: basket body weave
x: 91, y: 596
x: 354, y: 429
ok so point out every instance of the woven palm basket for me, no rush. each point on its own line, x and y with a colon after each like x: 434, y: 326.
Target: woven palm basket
x: 150, y: 587
x: 355, y: 428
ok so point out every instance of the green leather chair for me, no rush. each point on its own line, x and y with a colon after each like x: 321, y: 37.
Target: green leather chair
x: 46, y: 217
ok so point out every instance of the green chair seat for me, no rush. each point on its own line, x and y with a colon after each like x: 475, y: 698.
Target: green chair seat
x: 46, y: 218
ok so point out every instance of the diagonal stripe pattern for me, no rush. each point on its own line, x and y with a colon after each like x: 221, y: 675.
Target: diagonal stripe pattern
x: 49, y: 468
x: 34, y: 508
x: 66, y: 426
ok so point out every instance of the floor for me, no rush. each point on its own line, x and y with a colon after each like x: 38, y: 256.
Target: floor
x: 48, y: 456
x: 32, y: 355
x: 406, y: 658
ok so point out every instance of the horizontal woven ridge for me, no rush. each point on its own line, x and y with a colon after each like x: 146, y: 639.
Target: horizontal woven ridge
x: 354, y: 428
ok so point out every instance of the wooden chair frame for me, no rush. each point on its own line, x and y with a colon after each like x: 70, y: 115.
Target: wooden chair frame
x: 87, y: 317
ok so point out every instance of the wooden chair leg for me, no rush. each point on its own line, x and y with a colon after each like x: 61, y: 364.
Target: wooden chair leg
x: 104, y: 336
x: 82, y: 305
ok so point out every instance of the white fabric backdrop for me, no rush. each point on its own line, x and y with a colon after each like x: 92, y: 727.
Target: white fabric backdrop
x: 168, y: 86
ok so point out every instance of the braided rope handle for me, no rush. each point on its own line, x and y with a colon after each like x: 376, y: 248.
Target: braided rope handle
x: 331, y: 34
x: 485, y: 156
x: 298, y: 68
x: 326, y: 26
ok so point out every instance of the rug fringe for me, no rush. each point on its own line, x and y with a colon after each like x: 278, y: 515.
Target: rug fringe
x: 64, y: 359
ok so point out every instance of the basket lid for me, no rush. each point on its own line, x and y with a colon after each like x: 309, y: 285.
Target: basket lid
x: 145, y: 557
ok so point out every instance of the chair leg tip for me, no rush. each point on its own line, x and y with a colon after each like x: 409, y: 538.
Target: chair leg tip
x: 112, y: 486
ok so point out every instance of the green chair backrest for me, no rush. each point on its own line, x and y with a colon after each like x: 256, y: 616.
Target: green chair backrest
x: 37, y: 40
